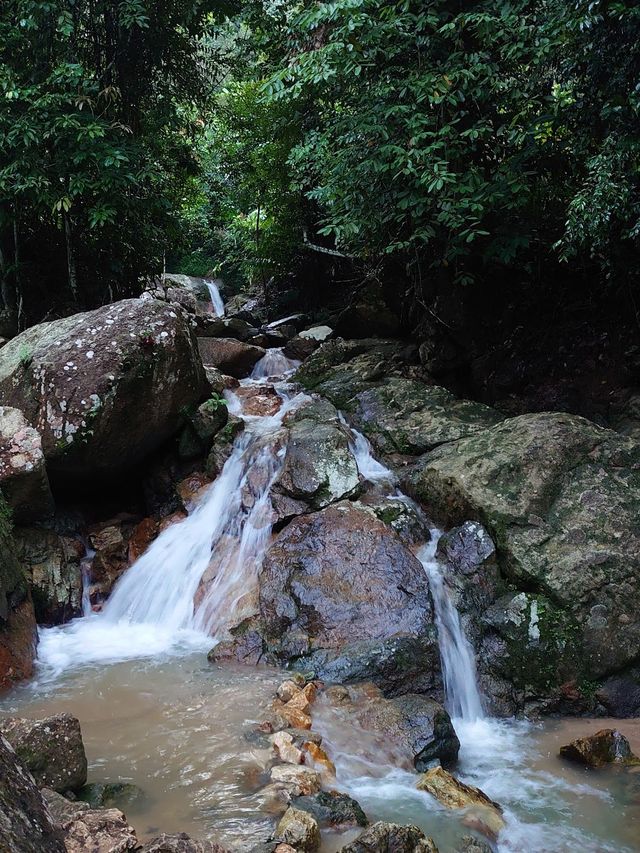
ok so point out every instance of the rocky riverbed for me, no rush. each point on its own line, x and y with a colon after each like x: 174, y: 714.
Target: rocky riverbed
x: 176, y: 482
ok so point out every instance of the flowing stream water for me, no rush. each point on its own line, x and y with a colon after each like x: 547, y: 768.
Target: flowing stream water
x: 155, y: 713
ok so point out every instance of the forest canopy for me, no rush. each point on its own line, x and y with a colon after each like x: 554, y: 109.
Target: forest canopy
x: 440, y: 142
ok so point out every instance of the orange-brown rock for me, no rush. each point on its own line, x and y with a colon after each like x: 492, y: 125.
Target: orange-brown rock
x: 191, y: 489
x: 18, y: 640
x: 259, y: 400
x: 484, y: 813
x: 143, y: 535
x: 320, y: 757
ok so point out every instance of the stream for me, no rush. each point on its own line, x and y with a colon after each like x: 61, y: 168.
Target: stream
x: 155, y: 713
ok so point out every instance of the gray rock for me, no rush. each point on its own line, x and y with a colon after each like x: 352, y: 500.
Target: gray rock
x: 52, y: 563
x: 23, y: 475
x: 105, y: 388
x: 339, y: 578
x: 51, y: 749
x: 230, y: 356
x: 319, y: 467
x: 25, y: 824
x: 180, y: 843
x: 332, y: 808
x: 391, y: 838
x: 561, y: 499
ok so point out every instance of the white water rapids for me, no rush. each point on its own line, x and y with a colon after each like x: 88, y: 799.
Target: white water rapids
x: 162, y: 609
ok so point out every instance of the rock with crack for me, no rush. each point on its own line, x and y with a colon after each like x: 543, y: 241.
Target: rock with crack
x: 608, y: 746
x: 23, y: 475
x: 299, y: 829
x: 84, y: 828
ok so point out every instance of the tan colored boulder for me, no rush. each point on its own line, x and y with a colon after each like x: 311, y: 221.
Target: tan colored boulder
x: 23, y: 475
x: 287, y: 690
x: 301, y: 781
x: 485, y: 814
x: 319, y: 758
x: 287, y: 751
x: 299, y: 829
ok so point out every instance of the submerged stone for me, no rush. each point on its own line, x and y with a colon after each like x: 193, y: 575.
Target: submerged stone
x: 608, y: 746
x: 453, y: 794
x: 391, y: 838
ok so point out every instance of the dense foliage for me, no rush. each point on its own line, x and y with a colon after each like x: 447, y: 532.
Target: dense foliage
x: 96, y: 131
x: 455, y: 141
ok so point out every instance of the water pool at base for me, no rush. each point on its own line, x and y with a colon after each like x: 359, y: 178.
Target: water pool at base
x: 180, y: 729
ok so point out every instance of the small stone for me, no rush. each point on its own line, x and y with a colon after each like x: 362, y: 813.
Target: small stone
x: 299, y: 829
x: 319, y: 756
x: 286, y: 749
x: 287, y: 690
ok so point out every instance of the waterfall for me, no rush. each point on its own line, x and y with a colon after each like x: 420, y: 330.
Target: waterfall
x: 193, y: 581
x: 274, y: 363
x: 462, y: 695
x: 85, y: 576
x: 216, y: 299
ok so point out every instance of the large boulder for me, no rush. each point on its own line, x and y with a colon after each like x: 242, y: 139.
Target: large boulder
x: 53, y: 565
x: 180, y: 843
x: 299, y: 829
x: 231, y: 357
x: 338, y: 583
x: 319, y: 467
x: 18, y: 631
x: 397, y: 413
x: 51, y: 749
x: 23, y: 475
x: 25, y: 823
x: 104, y: 388
x: 560, y: 497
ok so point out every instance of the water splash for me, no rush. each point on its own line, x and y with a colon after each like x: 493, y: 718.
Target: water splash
x: 216, y: 299
x: 274, y: 363
x: 193, y: 580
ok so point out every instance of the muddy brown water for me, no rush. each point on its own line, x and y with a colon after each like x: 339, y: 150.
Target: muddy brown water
x: 177, y: 727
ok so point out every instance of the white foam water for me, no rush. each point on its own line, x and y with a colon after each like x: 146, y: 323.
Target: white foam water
x: 274, y: 363
x: 191, y: 582
x: 216, y: 299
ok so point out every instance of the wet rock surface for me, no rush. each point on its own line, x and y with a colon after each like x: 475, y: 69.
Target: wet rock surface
x: 608, y: 746
x: 229, y: 355
x: 319, y: 467
x: 83, y: 828
x: 334, y: 809
x: 485, y: 814
x: 180, y: 843
x: 23, y: 476
x: 52, y: 564
x: 104, y: 388
x: 51, y: 749
x: 339, y: 578
x: 18, y: 632
x: 560, y: 497
x: 391, y: 838
x: 25, y: 824
x: 299, y: 829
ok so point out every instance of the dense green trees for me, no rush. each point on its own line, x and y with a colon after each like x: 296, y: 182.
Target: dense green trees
x: 96, y: 125
x: 452, y: 140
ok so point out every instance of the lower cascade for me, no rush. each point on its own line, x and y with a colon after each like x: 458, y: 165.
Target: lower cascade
x: 135, y: 671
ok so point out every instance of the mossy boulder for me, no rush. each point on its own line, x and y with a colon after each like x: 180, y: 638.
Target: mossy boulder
x: 560, y: 498
x: 104, y: 388
x: 397, y: 413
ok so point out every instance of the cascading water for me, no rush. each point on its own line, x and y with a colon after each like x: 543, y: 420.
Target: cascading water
x: 462, y: 695
x: 190, y: 583
x: 216, y: 298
